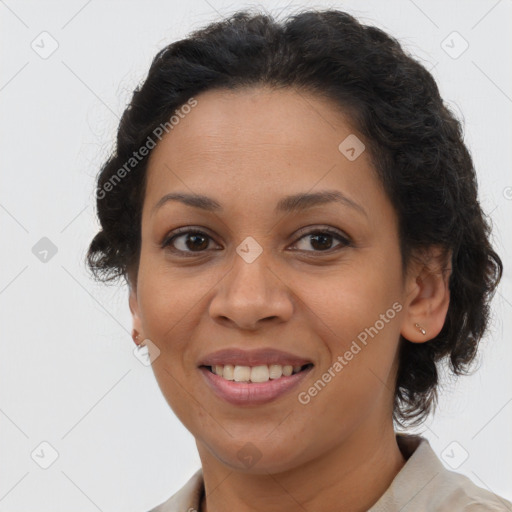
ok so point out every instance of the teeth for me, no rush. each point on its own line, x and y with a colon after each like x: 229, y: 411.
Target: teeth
x: 275, y: 371
x: 228, y: 372
x: 242, y: 373
x: 261, y: 373
x: 287, y: 370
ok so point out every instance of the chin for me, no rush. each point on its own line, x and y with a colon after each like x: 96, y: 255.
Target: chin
x: 259, y: 458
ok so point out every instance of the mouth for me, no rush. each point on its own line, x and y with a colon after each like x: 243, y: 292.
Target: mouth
x: 253, y: 385
x: 255, y: 374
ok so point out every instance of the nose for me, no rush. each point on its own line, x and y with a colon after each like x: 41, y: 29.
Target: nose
x: 251, y: 294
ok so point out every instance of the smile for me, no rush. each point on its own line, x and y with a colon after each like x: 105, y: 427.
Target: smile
x: 248, y: 392
x: 259, y: 373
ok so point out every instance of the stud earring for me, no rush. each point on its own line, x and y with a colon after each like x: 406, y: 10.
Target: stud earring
x: 418, y: 326
x: 136, y: 337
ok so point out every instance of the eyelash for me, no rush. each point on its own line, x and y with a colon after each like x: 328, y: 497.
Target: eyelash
x: 343, y: 239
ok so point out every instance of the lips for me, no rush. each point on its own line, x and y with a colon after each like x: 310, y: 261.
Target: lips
x: 252, y: 393
x: 253, y: 377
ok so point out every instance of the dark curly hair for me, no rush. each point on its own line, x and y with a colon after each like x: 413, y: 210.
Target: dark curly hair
x: 415, y: 144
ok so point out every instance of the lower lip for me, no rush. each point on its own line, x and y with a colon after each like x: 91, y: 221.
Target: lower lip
x: 252, y: 393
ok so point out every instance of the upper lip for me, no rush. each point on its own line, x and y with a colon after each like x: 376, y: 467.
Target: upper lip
x: 254, y: 357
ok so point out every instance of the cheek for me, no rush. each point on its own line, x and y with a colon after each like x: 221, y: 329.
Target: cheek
x: 357, y: 315
x: 168, y: 297
x: 354, y: 298
x: 357, y: 378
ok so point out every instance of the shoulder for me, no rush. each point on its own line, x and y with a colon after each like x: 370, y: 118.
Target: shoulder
x: 425, y: 485
x: 186, y: 499
x: 459, y: 492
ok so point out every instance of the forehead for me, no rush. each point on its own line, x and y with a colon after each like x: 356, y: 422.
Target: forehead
x: 256, y: 116
x: 258, y: 141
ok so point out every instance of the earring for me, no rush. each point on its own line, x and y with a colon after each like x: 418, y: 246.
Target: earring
x: 136, y: 337
x: 418, y: 326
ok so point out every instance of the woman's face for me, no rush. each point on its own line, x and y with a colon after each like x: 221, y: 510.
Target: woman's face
x: 319, y: 282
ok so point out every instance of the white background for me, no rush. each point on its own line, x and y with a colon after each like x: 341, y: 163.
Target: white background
x: 68, y: 374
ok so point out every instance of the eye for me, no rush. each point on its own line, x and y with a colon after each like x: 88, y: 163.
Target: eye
x: 187, y: 241
x: 322, y: 240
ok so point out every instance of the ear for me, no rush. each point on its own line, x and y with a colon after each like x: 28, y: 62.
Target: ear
x: 427, y: 295
x: 134, y: 309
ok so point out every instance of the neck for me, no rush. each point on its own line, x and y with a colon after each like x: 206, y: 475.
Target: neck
x: 353, y: 476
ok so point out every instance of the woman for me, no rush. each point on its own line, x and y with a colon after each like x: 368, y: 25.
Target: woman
x: 296, y: 215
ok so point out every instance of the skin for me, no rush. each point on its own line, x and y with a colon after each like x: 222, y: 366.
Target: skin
x: 247, y: 149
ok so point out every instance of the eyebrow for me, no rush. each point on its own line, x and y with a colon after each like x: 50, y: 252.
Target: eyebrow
x: 288, y: 204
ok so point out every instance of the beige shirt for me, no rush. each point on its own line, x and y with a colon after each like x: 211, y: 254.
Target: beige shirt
x: 422, y: 485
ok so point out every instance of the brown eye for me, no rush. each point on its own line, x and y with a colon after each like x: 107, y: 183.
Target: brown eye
x: 188, y: 241
x: 321, y: 240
